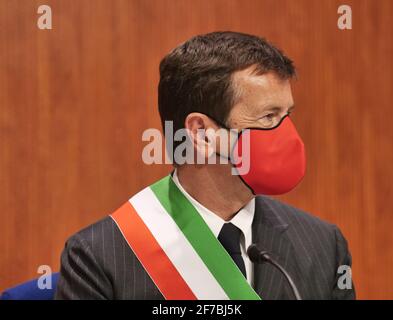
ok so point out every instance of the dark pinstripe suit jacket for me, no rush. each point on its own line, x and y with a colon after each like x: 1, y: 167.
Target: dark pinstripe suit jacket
x: 98, y: 264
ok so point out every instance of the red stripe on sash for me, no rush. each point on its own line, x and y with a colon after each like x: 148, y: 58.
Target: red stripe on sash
x: 148, y: 251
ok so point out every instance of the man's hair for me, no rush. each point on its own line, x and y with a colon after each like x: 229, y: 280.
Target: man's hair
x: 196, y: 75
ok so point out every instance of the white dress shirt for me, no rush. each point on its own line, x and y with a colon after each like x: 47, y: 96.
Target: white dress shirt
x: 243, y: 220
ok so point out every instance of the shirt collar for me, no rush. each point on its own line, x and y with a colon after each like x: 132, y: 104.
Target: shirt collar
x: 243, y: 219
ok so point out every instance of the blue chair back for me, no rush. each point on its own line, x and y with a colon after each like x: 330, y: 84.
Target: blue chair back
x: 30, y: 291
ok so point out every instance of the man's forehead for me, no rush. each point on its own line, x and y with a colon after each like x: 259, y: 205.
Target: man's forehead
x: 264, y: 88
x: 249, y: 78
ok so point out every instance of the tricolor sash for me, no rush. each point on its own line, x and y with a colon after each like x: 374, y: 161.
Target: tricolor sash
x: 176, y: 247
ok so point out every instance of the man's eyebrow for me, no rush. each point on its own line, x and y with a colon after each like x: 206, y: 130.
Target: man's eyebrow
x: 278, y: 109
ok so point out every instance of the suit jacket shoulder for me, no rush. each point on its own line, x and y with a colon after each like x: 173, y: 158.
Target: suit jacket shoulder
x: 314, y: 250
x: 97, y: 263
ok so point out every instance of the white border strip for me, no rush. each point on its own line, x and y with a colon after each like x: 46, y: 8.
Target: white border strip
x: 176, y: 246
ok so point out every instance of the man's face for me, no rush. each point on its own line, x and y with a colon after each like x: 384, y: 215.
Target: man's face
x: 262, y: 100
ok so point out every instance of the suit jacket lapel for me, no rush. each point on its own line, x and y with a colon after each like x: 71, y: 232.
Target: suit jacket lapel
x: 268, y: 232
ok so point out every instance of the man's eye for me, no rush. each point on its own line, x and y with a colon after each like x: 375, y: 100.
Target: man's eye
x: 269, y: 117
x: 269, y: 120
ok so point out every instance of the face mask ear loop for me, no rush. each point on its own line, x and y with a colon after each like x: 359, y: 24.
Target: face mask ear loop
x: 222, y: 125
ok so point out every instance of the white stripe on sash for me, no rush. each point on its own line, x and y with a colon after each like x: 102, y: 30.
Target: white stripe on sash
x: 176, y: 246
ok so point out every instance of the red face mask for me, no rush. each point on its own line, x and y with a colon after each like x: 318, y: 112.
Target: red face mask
x: 276, y: 158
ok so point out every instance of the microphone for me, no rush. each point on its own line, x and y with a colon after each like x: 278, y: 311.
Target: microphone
x: 257, y: 255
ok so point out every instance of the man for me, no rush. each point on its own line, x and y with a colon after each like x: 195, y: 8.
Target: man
x: 186, y: 236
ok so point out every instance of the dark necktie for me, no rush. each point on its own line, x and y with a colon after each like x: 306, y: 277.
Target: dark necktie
x: 230, y: 239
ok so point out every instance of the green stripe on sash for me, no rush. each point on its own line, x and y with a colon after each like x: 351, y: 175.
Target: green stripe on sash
x: 210, y: 250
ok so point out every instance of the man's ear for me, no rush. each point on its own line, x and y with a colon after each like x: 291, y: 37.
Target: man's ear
x: 197, y: 125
